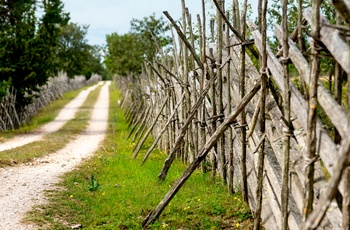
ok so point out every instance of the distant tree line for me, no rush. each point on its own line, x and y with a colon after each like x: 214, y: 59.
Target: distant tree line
x: 36, y: 42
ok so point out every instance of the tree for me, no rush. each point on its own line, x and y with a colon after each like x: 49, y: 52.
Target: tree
x: 93, y: 63
x: 27, y: 45
x: 75, y: 55
x: 73, y: 49
x: 126, y: 53
x: 151, y: 33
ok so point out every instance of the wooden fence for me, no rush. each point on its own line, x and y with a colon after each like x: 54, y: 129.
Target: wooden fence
x: 55, y: 88
x: 231, y: 107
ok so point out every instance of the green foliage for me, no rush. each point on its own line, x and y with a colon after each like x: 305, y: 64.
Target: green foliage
x: 93, y: 63
x: 34, y: 48
x: 275, y: 14
x: 126, y: 53
x: 150, y: 32
x: 27, y: 45
x: 4, y: 85
x: 73, y: 49
x: 243, y: 215
x: 75, y: 55
x: 94, y: 184
x: 275, y: 17
x: 326, y: 121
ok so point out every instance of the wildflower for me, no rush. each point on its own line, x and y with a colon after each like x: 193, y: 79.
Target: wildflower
x: 164, y: 225
x: 103, y: 193
x: 71, y: 196
x: 199, y: 199
x: 237, y: 225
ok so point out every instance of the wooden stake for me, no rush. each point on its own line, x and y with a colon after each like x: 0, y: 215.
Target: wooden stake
x: 236, y: 18
x: 254, y: 120
x: 315, y: 218
x: 137, y: 150
x: 184, y: 39
x: 153, y: 215
x: 311, y: 121
x: 182, y: 133
x: 230, y: 169
x: 343, y: 7
x: 185, y: 106
x: 142, y: 132
x: 346, y: 177
x: 142, y: 124
x: 135, y: 122
x: 260, y: 176
x: 286, y: 147
x: 203, y: 77
x: 164, y: 129
x: 243, y: 114
x: 235, y: 31
x: 214, y: 158
x: 219, y: 29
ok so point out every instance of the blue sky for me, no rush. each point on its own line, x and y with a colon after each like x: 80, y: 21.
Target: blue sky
x: 108, y: 16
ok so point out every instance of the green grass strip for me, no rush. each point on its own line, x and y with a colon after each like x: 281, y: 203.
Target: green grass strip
x: 45, y: 115
x: 122, y: 192
x: 54, y: 141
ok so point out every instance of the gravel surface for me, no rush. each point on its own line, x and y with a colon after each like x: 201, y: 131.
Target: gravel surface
x: 66, y: 114
x: 23, y: 186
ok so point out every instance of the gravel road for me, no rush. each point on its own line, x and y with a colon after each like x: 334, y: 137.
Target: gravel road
x: 23, y: 186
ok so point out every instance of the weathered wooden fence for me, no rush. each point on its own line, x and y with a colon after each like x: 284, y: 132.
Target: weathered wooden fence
x: 55, y: 88
x: 230, y: 106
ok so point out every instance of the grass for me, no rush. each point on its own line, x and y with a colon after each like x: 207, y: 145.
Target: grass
x: 54, y: 141
x: 124, y: 192
x: 44, y: 116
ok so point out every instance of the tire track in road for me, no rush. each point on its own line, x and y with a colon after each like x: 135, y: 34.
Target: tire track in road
x: 67, y: 113
x: 23, y: 186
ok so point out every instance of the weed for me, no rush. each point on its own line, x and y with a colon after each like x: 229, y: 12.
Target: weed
x: 94, y: 184
x: 243, y: 215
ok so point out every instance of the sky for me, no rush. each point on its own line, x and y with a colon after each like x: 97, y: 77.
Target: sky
x: 109, y: 16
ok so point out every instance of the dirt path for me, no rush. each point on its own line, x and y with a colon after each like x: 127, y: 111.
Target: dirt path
x: 23, y: 186
x: 67, y: 113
